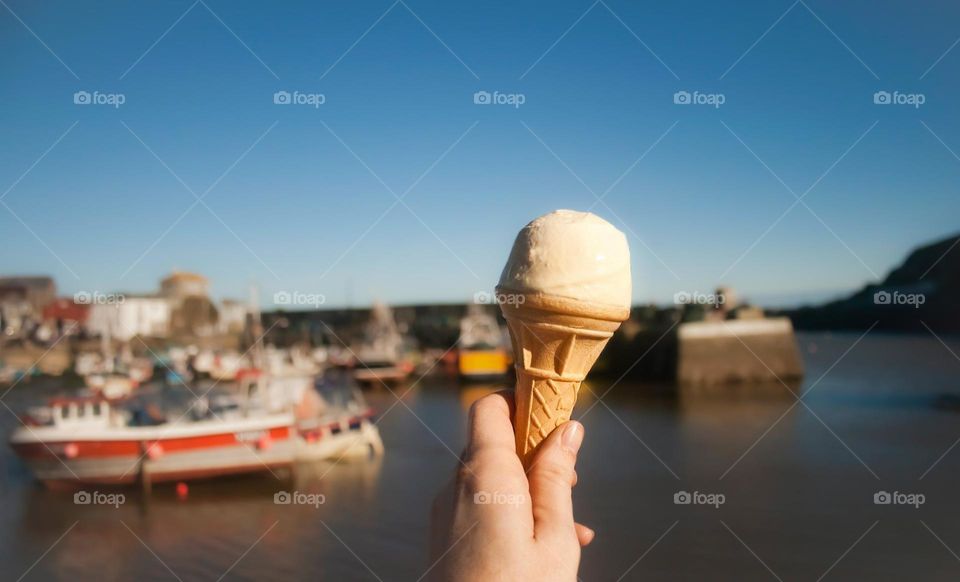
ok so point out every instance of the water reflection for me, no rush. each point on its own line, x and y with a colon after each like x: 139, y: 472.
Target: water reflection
x: 792, y: 478
x: 360, y: 477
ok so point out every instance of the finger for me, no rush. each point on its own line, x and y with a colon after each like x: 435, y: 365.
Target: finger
x: 585, y: 535
x: 551, y: 477
x: 491, y: 464
x: 490, y: 427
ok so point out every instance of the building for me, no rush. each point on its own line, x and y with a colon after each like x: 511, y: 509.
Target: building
x: 233, y: 316
x: 179, y: 285
x: 191, y: 311
x: 135, y: 315
x: 67, y: 312
x: 36, y: 292
x: 22, y: 300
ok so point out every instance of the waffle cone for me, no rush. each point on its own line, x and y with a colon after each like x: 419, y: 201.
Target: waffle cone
x: 556, y: 341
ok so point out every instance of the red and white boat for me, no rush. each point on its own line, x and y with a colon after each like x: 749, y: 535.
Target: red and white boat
x: 99, y: 441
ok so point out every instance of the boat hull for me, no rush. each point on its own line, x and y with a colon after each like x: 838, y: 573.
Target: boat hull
x: 106, y: 471
x: 166, y: 458
x: 157, y: 454
x: 382, y: 375
x: 483, y: 364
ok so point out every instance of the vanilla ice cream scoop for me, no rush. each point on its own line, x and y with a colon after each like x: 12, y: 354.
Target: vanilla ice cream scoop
x: 576, y: 255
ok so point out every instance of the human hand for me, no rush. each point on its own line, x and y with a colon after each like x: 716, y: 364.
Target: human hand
x: 496, y: 522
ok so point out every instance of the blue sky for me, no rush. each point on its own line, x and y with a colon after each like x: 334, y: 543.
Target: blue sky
x: 305, y: 198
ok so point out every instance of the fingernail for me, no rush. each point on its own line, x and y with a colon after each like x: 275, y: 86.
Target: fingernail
x: 572, y: 436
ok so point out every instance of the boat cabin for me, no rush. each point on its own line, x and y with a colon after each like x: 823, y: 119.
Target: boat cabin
x: 80, y: 413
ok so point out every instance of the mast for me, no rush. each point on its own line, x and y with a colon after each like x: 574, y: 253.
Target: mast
x: 257, y: 359
x: 256, y: 329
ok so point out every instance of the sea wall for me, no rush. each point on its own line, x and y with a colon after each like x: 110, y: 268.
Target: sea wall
x: 737, y: 351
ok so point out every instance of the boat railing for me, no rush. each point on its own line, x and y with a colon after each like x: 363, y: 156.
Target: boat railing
x: 80, y: 413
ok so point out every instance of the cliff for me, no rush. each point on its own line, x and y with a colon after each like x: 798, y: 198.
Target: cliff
x: 925, y: 289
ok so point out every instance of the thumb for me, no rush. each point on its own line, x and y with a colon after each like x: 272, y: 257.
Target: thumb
x: 552, y: 477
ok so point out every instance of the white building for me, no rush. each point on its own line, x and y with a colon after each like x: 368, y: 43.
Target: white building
x: 129, y: 316
x: 233, y: 316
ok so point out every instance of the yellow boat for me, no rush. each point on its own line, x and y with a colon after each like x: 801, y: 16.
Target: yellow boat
x: 482, y: 352
x: 478, y: 363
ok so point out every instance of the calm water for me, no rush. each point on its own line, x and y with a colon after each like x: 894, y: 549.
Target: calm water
x: 795, y: 501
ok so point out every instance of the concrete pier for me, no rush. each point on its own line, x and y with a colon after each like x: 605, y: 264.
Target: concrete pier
x: 737, y: 351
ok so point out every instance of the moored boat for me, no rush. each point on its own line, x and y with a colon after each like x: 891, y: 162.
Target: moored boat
x: 380, y: 355
x: 95, y: 440
x: 92, y: 441
x: 382, y: 372
x: 482, y: 354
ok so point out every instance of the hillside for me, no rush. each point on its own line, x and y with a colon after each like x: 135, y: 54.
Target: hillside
x: 924, y: 289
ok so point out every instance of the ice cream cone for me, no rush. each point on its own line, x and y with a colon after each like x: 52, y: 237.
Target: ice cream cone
x: 556, y: 341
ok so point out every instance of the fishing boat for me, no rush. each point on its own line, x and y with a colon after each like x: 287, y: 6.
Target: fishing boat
x: 226, y: 365
x: 113, y: 375
x: 95, y: 440
x: 375, y: 372
x: 345, y: 430
x: 482, y: 352
x: 111, y: 385
x: 379, y: 356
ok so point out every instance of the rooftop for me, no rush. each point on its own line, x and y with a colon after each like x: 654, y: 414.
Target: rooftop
x: 184, y: 276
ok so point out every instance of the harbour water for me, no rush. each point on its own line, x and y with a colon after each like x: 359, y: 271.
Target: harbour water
x: 798, y: 482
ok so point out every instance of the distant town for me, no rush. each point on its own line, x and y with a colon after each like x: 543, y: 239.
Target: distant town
x: 31, y: 309
x: 34, y: 319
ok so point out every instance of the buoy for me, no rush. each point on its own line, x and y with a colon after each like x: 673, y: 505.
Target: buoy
x: 155, y: 451
x: 182, y: 490
x: 264, y: 443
